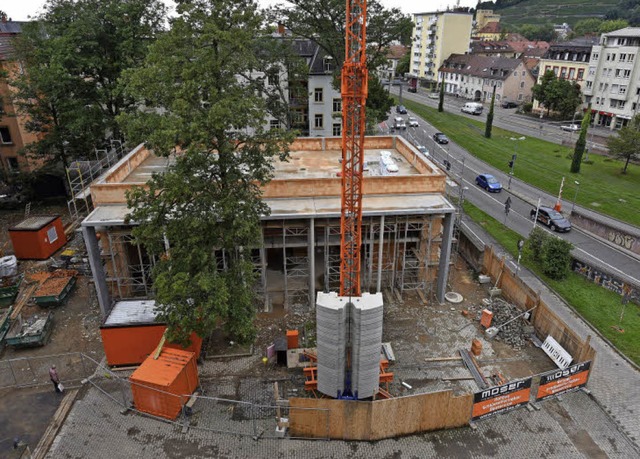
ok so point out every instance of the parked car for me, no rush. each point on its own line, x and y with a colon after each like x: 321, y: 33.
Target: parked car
x: 570, y: 127
x: 440, y: 138
x: 552, y: 218
x: 413, y: 121
x: 473, y: 108
x: 489, y: 183
x: 433, y: 95
x: 401, y: 109
x: 422, y: 149
x: 399, y: 123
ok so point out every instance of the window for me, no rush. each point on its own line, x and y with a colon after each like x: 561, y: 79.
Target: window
x: 572, y: 73
x: 563, y: 72
x: 589, y: 85
x: 273, y: 79
x: 520, y: 96
x: 618, y: 73
x: 597, y: 101
x: 337, y: 105
x: 594, y: 56
x: 317, y: 95
x: 608, y: 57
x: 274, y: 124
x: 630, y: 57
x: 555, y: 70
x: 626, y: 74
x: 52, y: 235
x: 5, y: 135
x: 515, y: 74
x: 623, y: 57
x: 328, y: 64
x: 614, y: 89
x: 521, y: 84
x: 623, y: 89
x: 337, y: 130
x: 524, y: 73
x: 581, y: 74
x: 318, y: 121
x: 13, y: 163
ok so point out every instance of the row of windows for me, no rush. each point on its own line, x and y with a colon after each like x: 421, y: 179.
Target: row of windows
x: 570, y: 73
x: 607, y: 72
x: 611, y: 57
x: 318, y: 123
x: 613, y: 103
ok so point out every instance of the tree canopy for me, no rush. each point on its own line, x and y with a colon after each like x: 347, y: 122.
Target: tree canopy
x: 72, y: 57
x: 203, y: 89
x: 626, y: 144
x: 557, y: 94
x: 324, y: 23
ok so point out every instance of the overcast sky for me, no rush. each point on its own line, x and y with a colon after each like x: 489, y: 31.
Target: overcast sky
x: 19, y: 10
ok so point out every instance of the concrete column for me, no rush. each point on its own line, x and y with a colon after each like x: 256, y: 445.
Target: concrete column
x: 263, y: 276
x: 380, y: 245
x: 99, y: 278
x: 445, y: 257
x: 311, y: 255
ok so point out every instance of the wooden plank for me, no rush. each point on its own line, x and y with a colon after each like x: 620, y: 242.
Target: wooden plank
x: 26, y: 295
x: 60, y: 415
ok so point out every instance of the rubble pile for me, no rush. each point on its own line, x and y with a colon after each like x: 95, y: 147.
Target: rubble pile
x: 515, y: 333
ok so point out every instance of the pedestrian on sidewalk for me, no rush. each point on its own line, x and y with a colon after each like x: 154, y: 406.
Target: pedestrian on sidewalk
x: 55, y: 379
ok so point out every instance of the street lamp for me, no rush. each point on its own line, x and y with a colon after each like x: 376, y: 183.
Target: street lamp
x: 513, y: 158
x: 575, y: 196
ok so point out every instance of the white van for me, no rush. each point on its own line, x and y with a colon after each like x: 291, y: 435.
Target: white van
x: 474, y: 108
x: 399, y: 123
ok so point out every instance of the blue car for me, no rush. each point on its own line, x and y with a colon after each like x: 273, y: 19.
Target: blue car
x: 489, y: 183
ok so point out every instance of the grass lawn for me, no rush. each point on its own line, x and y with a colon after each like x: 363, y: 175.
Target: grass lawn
x: 597, y: 305
x: 603, y: 187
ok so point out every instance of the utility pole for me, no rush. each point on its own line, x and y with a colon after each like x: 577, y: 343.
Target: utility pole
x: 512, y: 163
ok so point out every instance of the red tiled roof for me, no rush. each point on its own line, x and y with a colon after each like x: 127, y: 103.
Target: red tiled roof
x: 492, y: 27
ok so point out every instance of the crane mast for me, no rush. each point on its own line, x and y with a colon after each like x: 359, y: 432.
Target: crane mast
x: 354, y: 98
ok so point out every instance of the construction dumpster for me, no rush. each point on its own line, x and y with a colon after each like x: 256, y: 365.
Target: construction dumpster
x: 37, y: 238
x: 130, y: 333
x: 54, y: 291
x: 162, y: 386
x: 30, y: 331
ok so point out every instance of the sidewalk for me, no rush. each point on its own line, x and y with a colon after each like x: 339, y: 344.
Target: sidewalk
x: 614, y: 381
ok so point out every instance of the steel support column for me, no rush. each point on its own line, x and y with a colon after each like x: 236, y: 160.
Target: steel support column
x: 445, y: 256
x: 380, y: 245
x: 311, y: 255
x: 99, y: 277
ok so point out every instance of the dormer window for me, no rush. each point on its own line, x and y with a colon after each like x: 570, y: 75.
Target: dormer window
x: 328, y: 64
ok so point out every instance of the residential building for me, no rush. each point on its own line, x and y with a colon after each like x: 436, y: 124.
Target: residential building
x: 515, y: 49
x: 569, y: 60
x: 474, y: 77
x: 13, y: 133
x: 490, y: 32
x: 435, y: 37
x: 612, y: 83
x: 484, y: 17
x: 387, y: 71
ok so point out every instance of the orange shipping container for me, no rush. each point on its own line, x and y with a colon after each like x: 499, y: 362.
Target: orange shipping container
x: 130, y: 333
x: 37, y: 238
x: 162, y: 386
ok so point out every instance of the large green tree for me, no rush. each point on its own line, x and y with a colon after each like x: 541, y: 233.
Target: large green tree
x: 324, y: 23
x: 489, y: 124
x: 72, y: 57
x: 626, y: 145
x: 204, y: 109
x: 557, y: 94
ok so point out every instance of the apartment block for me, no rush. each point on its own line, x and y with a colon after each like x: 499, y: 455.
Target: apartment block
x: 612, y: 83
x: 435, y: 37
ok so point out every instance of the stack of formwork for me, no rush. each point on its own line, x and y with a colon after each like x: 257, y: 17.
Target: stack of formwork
x: 344, y: 320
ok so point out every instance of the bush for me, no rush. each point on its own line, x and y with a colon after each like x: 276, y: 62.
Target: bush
x: 535, y: 242
x: 551, y: 253
x: 526, y: 108
x: 556, y: 257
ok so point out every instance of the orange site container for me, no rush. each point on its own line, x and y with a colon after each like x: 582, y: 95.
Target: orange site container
x: 162, y: 386
x: 130, y: 333
x: 292, y: 339
x: 37, y: 238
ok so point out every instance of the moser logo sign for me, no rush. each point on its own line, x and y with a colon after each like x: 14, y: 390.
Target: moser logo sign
x: 500, y: 399
x: 559, y: 382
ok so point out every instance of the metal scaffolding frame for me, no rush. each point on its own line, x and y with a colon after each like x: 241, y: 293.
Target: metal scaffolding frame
x: 128, y: 267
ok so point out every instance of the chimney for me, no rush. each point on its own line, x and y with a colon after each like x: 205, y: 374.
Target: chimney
x: 281, y: 28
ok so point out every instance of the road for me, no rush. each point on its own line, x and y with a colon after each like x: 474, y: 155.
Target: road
x: 465, y: 167
x: 509, y: 119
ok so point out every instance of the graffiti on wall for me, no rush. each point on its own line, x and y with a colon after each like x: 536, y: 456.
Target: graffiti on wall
x: 598, y: 277
x: 621, y: 239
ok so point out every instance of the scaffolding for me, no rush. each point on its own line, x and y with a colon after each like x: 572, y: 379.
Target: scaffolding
x: 80, y: 175
x: 399, y: 255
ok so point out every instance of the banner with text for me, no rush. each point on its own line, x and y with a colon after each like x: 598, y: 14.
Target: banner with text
x: 500, y: 399
x: 558, y: 382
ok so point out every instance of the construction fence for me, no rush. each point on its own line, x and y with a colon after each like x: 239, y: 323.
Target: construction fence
x: 544, y: 320
x: 72, y: 368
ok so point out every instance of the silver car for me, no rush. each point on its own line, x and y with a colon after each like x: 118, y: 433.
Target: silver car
x: 413, y: 121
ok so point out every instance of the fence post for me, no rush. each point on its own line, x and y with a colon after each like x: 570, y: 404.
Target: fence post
x: 253, y: 421
x: 13, y: 375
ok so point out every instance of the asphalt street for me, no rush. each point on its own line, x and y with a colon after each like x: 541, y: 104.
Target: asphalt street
x: 465, y: 168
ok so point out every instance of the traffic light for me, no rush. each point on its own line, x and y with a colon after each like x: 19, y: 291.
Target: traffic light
x: 511, y: 164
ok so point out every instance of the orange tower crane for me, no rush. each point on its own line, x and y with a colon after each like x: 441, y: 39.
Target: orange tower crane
x: 354, y: 99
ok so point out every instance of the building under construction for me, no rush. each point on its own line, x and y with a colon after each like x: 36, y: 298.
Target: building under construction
x: 407, y: 225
